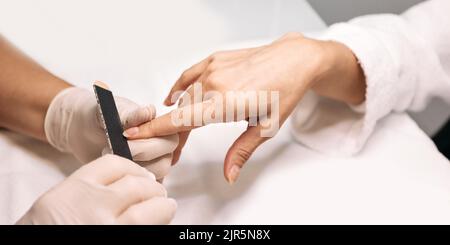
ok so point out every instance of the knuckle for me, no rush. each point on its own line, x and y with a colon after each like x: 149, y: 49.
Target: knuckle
x: 209, y: 80
x: 213, y: 66
x: 215, y: 56
x: 213, y: 79
x: 162, y: 167
x: 147, y: 129
x: 133, y: 183
x: 149, y: 112
x: 164, y: 170
x: 243, y: 154
x: 134, y: 216
x: 108, y: 160
x: 169, y: 212
x: 160, y: 190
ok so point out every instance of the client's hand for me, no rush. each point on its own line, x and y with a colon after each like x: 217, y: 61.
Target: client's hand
x: 73, y: 124
x: 109, y: 190
x: 269, y: 81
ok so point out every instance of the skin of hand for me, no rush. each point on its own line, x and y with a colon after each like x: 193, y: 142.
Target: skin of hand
x: 26, y: 90
x: 291, y: 66
x: 109, y: 190
x: 73, y: 124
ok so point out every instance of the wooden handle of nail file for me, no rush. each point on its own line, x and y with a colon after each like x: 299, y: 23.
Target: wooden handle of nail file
x: 111, y: 121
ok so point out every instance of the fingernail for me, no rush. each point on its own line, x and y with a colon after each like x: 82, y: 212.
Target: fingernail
x: 131, y: 131
x: 166, y: 101
x: 234, y: 174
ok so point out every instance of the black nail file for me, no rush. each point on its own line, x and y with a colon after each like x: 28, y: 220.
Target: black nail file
x: 111, y: 121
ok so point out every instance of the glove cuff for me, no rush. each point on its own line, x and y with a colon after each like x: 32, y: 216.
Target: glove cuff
x: 60, y: 115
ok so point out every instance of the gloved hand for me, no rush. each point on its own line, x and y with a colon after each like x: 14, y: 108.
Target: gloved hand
x: 109, y: 190
x: 73, y: 124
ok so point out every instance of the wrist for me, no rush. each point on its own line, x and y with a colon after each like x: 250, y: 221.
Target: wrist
x: 340, y: 75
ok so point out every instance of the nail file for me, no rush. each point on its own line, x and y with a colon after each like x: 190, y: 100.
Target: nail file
x: 111, y: 121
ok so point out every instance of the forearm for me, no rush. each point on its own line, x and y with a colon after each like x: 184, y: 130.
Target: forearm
x: 26, y: 90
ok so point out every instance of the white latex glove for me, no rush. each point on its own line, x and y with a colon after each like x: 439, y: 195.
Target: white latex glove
x: 109, y: 190
x: 73, y: 124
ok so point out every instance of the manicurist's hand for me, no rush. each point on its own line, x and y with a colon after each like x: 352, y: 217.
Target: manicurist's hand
x: 109, y: 190
x: 73, y: 124
x: 36, y: 103
x: 278, y: 75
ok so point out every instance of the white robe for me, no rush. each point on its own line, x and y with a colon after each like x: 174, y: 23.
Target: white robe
x: 406, y: 62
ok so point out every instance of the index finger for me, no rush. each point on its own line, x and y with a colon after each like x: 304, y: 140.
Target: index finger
x: 187, y: 78
x: 169, y: 123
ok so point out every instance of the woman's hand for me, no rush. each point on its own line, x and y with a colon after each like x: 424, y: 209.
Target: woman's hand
x: 278, y: 74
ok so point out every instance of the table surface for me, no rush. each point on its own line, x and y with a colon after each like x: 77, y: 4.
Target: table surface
x: 140, y: 47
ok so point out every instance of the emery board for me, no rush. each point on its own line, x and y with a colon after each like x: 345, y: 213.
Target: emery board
x: 111, y: 121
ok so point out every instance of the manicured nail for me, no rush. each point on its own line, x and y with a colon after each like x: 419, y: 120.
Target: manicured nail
x: 234, y: 174
x: 131, y: 131
x: 166, y: 101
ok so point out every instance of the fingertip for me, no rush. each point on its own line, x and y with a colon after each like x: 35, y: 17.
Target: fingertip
x: 150, y: 175
x: 167, y: 209
x: 170, y: 100
x: 175, y: 158
x: 173, y: 203
x: 167, y: 101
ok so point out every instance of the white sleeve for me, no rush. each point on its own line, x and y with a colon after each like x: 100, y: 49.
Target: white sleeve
x: 406, y: 62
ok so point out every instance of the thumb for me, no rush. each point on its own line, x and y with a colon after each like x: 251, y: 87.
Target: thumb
x: 241, y: 151
x: 138, y: 116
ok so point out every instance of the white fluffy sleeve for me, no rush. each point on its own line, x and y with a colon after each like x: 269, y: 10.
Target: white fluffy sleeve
x: 406, y: 62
